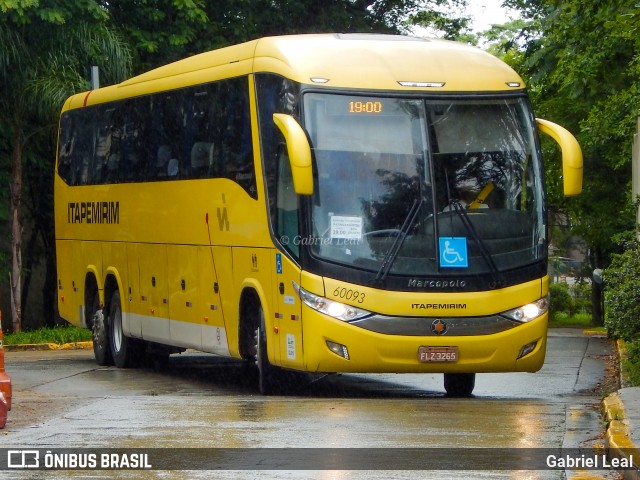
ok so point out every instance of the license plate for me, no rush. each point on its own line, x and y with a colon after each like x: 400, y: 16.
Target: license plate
x: 437, y: 354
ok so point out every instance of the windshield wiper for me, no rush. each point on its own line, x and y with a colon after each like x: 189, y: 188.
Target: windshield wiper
x: 392, y: 253
x: 468, y: 225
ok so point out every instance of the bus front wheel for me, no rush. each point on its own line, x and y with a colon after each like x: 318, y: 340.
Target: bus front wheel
x: 267, y: 373
x: 459, y: 384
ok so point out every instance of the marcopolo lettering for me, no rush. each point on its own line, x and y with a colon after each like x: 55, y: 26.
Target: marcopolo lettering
x: 93, y: 212
x: 418, y: 283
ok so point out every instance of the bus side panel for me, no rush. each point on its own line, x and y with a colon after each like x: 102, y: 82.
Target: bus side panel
x: 182, y: 266
x: 252, y: 268
x: 154, y: 293
x: 287, y: 317
x: 208, y: 307
x: 229, y: 297
x: 133, y: 300
x: 69, y: 296
x: 114, y: 261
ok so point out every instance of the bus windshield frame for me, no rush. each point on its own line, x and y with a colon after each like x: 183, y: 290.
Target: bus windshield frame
x: 421, y: 187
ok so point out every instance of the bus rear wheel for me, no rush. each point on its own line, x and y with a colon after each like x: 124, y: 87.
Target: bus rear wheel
x: 459, y: 384
x: 125, y: 351
x: 100, y: 333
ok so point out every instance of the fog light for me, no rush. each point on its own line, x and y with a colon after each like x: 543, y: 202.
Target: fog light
x: 527, y: 349
x: 338, y: 349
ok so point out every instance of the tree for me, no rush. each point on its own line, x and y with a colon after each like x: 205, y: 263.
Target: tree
x: 162, y: 31
x: 581, y: 62
x: 47, y: 46
x: 43, y: 59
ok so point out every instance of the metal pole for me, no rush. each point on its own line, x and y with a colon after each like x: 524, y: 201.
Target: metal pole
x: 95, y: 77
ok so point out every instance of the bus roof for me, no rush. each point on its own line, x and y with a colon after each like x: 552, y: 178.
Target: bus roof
x: 356, y: 61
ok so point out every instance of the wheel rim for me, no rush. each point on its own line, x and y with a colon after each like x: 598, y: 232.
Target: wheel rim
x: 117, y: 329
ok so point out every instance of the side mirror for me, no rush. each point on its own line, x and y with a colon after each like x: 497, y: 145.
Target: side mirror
x: 571, y: 155
x: 299, y: 152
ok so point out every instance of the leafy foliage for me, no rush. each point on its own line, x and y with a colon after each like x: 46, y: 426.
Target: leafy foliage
x: 560, y: 298
x: 161, y: 31
x: 48, y: 46
x: 631, y: 366
x: 581, y: 61
x: 622, y: 290
x: 44, y: 57
x: 569, y: 300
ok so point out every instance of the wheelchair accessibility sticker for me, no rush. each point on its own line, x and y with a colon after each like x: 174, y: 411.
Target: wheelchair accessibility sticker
x: 453, y: 252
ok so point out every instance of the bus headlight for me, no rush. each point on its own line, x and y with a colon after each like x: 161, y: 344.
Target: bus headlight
x: 528, y: 312
x: 346, y: 313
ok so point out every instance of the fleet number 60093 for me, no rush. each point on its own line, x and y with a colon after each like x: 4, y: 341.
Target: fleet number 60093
x: 349, y: 294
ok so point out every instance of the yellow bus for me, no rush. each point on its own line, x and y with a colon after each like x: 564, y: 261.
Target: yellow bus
x: 318, y: 203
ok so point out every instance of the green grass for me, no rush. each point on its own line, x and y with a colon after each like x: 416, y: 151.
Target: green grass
x: 564, y: 319
x: 57, y: 335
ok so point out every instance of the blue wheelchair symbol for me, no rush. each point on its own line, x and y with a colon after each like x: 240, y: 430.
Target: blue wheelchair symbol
x: 453, y: 252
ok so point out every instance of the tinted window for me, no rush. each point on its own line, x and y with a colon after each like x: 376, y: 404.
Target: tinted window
x: 197, y: 132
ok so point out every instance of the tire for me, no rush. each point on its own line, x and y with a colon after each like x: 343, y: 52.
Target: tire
x: 100, y: 333
x: 126, y: 352
x: 267, y: 374
x: 459, y: 384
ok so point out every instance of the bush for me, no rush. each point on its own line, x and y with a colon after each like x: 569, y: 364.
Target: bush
x: 581, y: 298
x: 560, y: 299
x: 632, y: 365
x: 622, y: 291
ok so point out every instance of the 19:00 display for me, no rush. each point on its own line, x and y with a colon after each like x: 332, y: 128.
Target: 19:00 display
x: 365, y: 107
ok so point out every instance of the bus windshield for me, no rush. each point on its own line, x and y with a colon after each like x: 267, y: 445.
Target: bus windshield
x: 413, y: 186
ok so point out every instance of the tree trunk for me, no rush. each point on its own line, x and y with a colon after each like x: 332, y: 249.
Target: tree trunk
x: 16, y: 229
x: 597, y: 291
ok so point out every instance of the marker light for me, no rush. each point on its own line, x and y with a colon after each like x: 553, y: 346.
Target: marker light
x: 319, y: 80
x: 528, y: 312
x: 340, y: 311
x: 513, y: 84
x: 338, y: 349
x: 527, y: 349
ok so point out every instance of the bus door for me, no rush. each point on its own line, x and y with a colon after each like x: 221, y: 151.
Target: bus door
x: 288, y: 308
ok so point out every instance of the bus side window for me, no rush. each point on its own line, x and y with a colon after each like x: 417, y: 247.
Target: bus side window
x: 67, y: 143
x: 202, y: 160
x: 162, y: 160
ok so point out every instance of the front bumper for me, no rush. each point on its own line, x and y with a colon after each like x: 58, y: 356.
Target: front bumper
x: 375, y: 352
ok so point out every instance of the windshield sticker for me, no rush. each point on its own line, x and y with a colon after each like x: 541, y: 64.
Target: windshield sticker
x: 453, y: 252
x: 346, y: 227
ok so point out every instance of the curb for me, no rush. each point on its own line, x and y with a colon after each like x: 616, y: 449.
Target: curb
x: 30, y: 347
x: 618, y: 436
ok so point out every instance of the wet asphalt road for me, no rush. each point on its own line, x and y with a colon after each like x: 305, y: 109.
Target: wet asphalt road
x: 62, y: 399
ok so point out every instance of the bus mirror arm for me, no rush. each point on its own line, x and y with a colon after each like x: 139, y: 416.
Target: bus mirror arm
x: 299, y: 152
x: 571, y: 155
